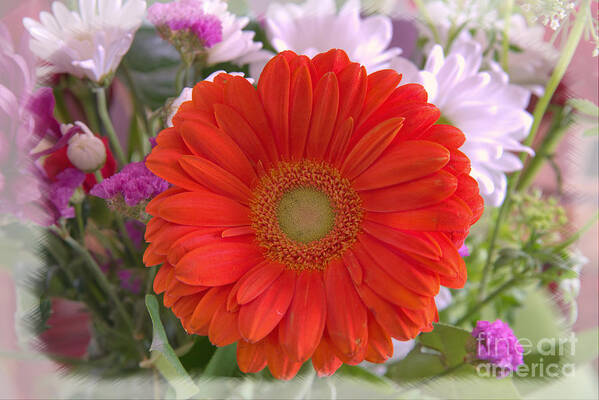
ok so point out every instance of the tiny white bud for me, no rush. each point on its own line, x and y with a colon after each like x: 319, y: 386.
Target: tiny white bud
x: 86, y: 151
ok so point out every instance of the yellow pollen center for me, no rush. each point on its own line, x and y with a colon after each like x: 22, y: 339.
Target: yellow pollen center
x: 305, y: 214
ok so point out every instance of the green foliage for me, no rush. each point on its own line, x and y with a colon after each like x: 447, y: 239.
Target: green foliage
x: 164, y: 357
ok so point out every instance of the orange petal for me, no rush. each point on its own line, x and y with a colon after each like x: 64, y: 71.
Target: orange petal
x: 217, y: 263
x: 333, y: 60
x: 151, y: 257
x: 191, y: 241
x: 163, y: 278
x: 340, y: 142
x: 273, y: 87
x: 422, y: 282
x: 412, y: 242
x: 300, y: 111
x: 215, y: 178
x: 324, y: 115
x: 180, y: 289
x: 260, y: 316
x: 446, y: 135
x: 154, y: 204
x: 348, y: 331
x: 202, y: 314
x: 380, y: 347
x: 451, y: 215
x: 257, y: 280
x: 212, y: 143
x: 280, y: 366
x: 223, y: 327
x: 153, y: 228
x: 168, y: 235
x: 204, y: 209
x: 234, y: 125
x: 163, y: 163
x: 403, y: 162
x: 205, y: 94
x: 251, y: 357
x: 353, y: 84
x: 185, y: 306
x: 370, y: 147
x: 380, y: 86
x: 386, y: 285
x: 237, y: 231
x: 387, y: 315
x: 243, y: 97
x: 324, y: 360
x: 353, y: 266
x: 459, y: 163
x: 301, y: 329
x: 453, y: 258
x: 419, y: 117
x: 409, y: 93
x: 419, y: 193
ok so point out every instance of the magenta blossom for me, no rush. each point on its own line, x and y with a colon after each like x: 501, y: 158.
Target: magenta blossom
x: 187, y: 15
x: 62, y: 190
x: 497, y: 344
x: 134, y: 182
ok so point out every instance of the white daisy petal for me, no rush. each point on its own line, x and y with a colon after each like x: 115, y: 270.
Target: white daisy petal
x: 483, y: 104
x: 315, y: 26
x: 89, y: 43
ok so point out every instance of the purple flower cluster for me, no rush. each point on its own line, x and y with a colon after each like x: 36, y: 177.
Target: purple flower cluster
x: 134, y: 182
x: 62, y: 190
x: 498, y: 345
x: 187, y: 15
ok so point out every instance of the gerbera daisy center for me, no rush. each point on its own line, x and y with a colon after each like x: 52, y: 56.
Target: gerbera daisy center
x: 305, y: 214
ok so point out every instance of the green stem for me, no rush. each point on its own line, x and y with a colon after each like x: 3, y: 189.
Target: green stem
x: 556, y: 132
x: 62, y: 112
x: 180, y: 78
x: 89, y: 108
x: 107, y: 287
x: 105, y: 117
x: 79, y: 217
x: 480, y: 304
x: 427, y: 19
x: 505, y: 45
x: 560, y: 70
x: 98, y: 175
x: 492, y: 244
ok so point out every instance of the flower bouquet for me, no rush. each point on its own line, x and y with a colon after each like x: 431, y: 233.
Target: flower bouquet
x: 318, y: 199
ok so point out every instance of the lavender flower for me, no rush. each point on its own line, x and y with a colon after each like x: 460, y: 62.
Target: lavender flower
x: 498, y: 345
x: 62, y: 190
x: 186, y: 16
x: 464, y: 251
x: 135, y: 183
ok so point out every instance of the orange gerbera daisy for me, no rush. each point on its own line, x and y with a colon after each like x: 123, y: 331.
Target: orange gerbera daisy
x: 312, y: 217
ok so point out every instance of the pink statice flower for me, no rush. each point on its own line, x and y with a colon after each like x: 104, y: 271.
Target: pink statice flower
x: 497, y: 344
x: 464, y: 251
x: 187, y: 16
x: 135, y: 183
x: 128, y: 281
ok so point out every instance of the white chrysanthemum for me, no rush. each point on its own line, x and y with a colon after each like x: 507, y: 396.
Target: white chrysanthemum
x: 490, y: 111
x: 315, y: 27
x: 89, y: 43
x: 237, y: 46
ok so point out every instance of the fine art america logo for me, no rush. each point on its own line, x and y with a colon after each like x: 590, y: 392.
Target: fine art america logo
x: 548, y: 361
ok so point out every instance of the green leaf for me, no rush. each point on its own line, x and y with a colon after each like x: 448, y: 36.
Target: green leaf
x: 153, y: 64
x: 353, y: 371
x: 454, y: 343
x: 223, y: 362
x: 584, y: 106
x: 416, y: 366
x: 166, y: 361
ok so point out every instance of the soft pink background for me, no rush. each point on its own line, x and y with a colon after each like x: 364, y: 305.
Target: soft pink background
x: 578, y: 156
